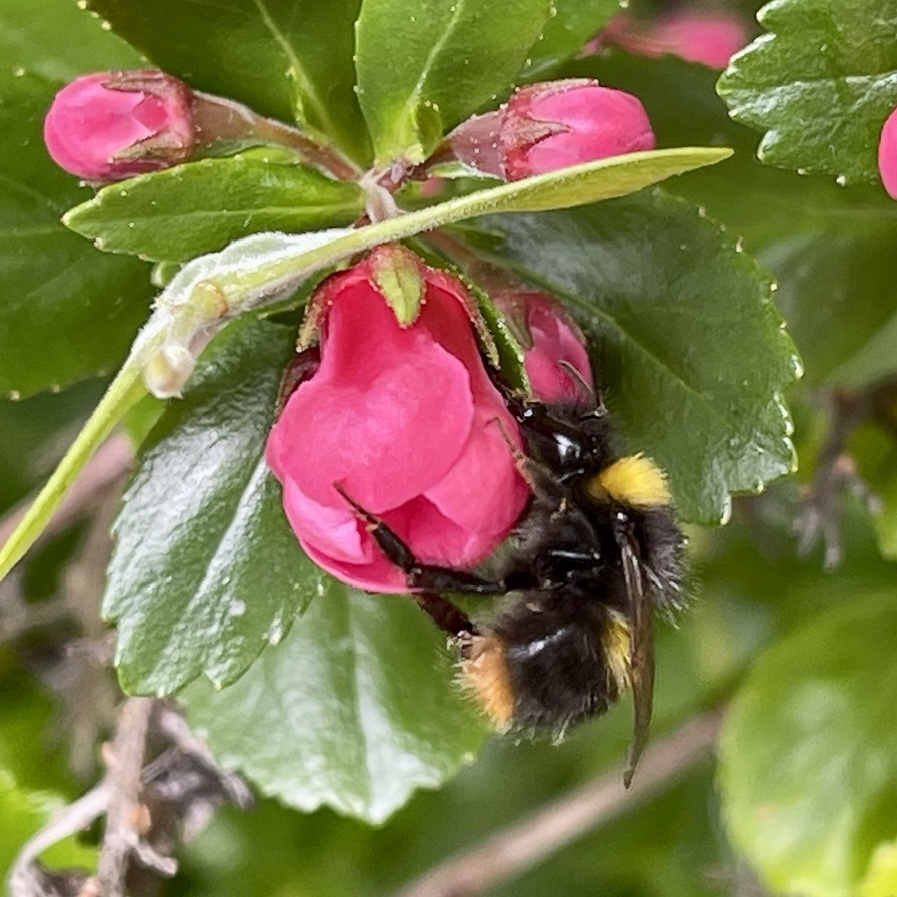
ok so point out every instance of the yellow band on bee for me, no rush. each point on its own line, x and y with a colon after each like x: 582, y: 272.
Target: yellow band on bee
x: 632, y: 480
x: 616, y: 640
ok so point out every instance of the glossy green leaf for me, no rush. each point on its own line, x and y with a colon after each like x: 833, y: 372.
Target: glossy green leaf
x: 61, y: 42
x: 206, y: 572
x: 687, y: 342
x: 66, y: 311
x: 572, y: 24
x: 820, y: 84
x: 355, y: 710
x: 183, y: 212
x: 424, y: 65
x: 808, y: 755
x: 290, y: 59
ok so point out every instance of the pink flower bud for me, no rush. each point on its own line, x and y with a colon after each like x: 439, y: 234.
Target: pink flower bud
x: 887, y: 155
x: 405, y: 419
x: 544, y: 127
x: 710, y: 38
x: 113, y: 125
x: 555, y: 357
x: 556, y: 124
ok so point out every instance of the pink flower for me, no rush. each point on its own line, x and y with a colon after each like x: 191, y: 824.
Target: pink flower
x: 553, y: 345
x: 710, y: 38
x: 887, y: 155
x: 552, y: 125
x: 113, y: 125
x: 405, y: 419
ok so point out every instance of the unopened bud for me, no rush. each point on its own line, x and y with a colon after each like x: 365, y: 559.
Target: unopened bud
x: 548, y: 126
x: 113, y: 125
x: 554, y: 350
x: 710, y: 38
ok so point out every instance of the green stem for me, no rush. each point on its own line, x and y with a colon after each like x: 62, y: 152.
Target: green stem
x: 123, y: 393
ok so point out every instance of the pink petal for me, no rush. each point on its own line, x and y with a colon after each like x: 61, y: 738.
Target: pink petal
x: 384, y: 441
x: 555, y: 341
x: 887, y: 155
x: 377, y: 576
x: 335, y: 531
x: 483, y: 493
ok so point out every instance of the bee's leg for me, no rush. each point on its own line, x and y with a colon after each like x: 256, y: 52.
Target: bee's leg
x: 426, y: 577
x: 444, y: 614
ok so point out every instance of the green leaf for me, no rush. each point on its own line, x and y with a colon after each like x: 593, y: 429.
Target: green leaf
x: 59, y: 42
x: 355, y: 710
x: 587, y: 183
x: 572, y: 24
x: 206, y: 572
x: 284, y: 58
x: 66, y: 311
x: 177, y: 214
x: 842, y: 276
x: 875, y: 452
x: 424, y: 65
x: 808, y: 755
x: 688, y: 344
x: 820, y: 85
x: 33, y: 785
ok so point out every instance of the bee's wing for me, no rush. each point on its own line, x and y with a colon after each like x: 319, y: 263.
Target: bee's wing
x: 641, y: 652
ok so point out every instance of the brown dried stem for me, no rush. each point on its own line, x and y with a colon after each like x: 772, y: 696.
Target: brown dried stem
x: 124, y: 824
x: 513, y: 850
x: 836, y: 471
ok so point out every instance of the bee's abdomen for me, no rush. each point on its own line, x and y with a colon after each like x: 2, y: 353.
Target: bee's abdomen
x: 555, y: 660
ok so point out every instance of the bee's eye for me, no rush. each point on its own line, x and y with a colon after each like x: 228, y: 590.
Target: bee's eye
x: 568, y: 450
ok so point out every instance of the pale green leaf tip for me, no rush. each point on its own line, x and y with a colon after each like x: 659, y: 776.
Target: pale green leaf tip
x: 397, y: 274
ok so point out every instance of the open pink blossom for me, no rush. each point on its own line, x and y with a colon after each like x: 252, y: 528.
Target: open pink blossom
x: 547, y: 126
x: 555, y: 357
x: 710, y: 38
x: 887, y: 155
x: 405, y: 419
x: 114, y: 125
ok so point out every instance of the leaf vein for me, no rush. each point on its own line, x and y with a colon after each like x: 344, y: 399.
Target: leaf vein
x: 303, y: 82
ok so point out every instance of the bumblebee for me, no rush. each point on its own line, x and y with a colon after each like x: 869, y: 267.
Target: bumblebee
x: 595, y: 554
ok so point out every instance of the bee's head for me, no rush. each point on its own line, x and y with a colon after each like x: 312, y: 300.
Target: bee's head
x: 569, y: 440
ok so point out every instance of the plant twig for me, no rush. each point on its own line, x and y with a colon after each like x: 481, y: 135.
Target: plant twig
x: 835, y: 471
x: 24, y: 875
x: 123, y: 816
x: 525, y: 843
